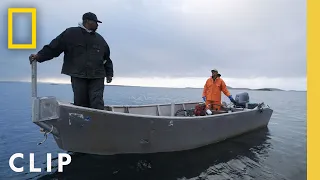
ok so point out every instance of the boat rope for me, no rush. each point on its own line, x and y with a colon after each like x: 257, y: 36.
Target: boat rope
x: 189, y: 112
x: 46, y: 135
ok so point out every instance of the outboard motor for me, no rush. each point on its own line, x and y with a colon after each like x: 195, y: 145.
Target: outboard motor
x: 242, y: 100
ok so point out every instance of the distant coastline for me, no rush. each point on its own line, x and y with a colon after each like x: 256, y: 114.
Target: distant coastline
x: 233, y: 88
x: 259, y: 89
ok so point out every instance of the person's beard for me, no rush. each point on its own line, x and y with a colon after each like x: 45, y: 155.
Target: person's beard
x: 94, y: 28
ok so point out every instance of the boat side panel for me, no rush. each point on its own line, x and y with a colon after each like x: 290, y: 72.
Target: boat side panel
x: 188, y: 134
x: 152, y: 110
x: 107, y: 133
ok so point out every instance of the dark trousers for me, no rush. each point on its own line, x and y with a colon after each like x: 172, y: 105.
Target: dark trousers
x: 88, y: 92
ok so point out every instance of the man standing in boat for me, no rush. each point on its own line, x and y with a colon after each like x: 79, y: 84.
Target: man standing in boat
x: 212, y: 91
x: 86, y: 60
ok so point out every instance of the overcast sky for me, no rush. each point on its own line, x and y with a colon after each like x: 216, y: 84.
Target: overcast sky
x: 253, y: 43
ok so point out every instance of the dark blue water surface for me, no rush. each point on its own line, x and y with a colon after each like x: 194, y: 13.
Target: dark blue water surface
x: 277, y: 152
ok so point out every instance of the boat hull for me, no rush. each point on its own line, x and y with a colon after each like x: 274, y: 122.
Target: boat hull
x: 101, y: 132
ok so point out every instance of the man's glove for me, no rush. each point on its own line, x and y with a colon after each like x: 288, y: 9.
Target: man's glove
x: 109, y: 79
x: 33, y: 57
x: 232, y: 100
x: 204, y: 98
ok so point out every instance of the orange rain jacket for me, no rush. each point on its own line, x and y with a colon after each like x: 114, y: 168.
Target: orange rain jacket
x: 212, y: 90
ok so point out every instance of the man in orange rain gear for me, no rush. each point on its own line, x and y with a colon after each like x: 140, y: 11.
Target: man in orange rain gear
x: 212, y: 91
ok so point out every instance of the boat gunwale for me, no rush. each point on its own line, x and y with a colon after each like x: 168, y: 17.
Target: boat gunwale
x: 155, y: 116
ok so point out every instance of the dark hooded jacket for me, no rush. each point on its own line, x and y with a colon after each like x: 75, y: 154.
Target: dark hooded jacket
x: 86, y: 54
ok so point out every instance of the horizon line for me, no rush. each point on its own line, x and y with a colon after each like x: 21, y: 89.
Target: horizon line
x: 229, y: 87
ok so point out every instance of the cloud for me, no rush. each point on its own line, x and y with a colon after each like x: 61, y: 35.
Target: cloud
x: 244, y: 39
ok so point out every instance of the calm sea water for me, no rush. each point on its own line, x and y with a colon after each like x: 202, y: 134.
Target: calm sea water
x: 277, y: 152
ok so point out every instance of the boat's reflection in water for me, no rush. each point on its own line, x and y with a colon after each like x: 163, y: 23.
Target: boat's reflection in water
x: 236, y: 158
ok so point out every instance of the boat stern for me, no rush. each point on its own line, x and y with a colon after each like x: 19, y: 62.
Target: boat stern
x: 44, y: 110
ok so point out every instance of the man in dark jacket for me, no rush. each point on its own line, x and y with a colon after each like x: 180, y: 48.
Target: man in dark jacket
x: 86, y: 60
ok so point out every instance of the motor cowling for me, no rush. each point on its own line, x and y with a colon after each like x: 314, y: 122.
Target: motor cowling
x: 242, y: 99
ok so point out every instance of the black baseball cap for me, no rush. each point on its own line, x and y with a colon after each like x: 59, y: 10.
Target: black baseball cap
x: 214, y: 70
x: 90, y: 16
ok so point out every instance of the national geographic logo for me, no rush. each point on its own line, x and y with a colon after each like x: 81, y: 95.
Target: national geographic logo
x: 33, y: 44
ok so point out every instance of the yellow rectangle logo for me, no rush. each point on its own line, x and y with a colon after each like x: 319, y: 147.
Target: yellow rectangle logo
x: 33, y: 44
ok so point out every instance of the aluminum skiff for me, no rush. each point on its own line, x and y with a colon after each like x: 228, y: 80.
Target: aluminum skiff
x: 139, y: 129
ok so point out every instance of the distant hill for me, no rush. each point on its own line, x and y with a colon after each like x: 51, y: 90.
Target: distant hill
x: 229, y: 87
x: 247, y: 89
x: 238, y: 88
x: 268, y: 89
x: 259, y: 89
